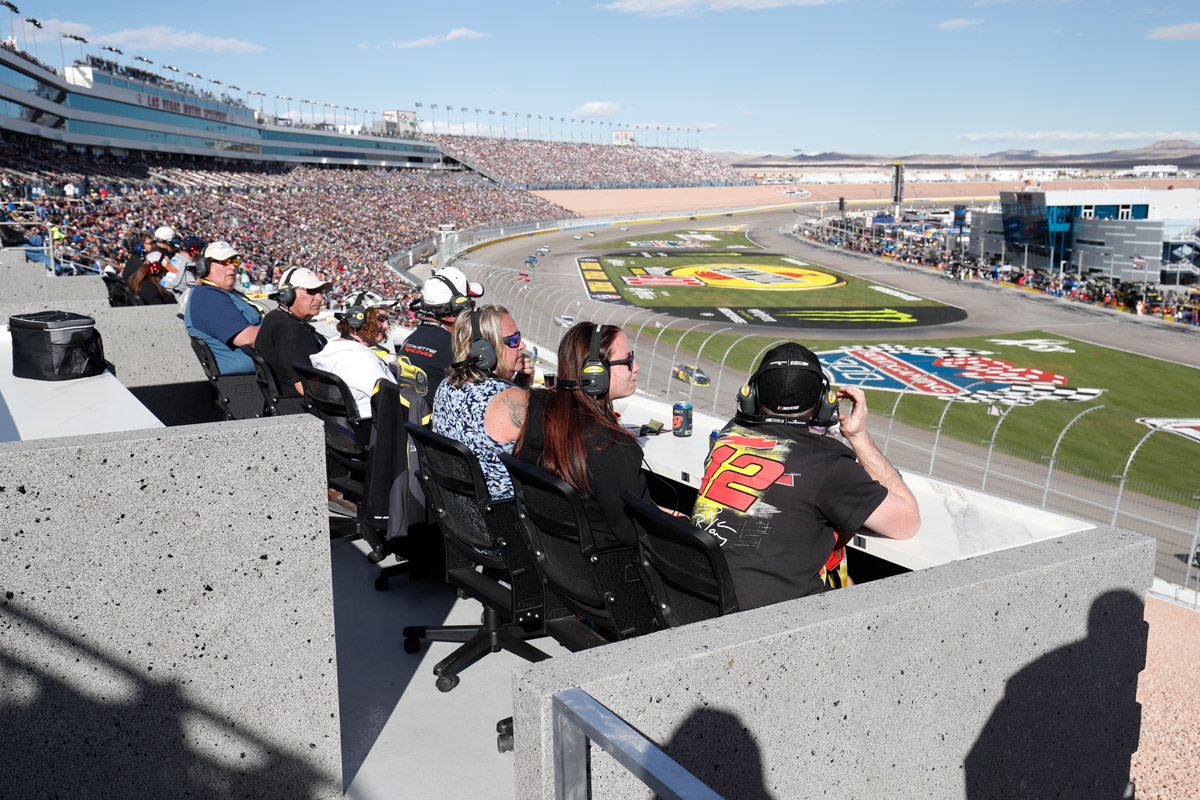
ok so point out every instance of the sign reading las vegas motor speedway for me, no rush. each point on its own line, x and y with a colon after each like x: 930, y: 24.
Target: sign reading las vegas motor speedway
x: 960, y: 374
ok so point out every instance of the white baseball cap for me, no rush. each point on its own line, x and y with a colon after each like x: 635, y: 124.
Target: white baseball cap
x: 303, y: 278
x: 165, y: 233
x: 220, y: 251
x: 456, y: 276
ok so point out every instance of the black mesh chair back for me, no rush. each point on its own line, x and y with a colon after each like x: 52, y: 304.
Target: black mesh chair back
x: 326, y: 396
x: 120, y: 295
x: 268, y: 384
x: 237, y: 395
x: 593, y: 584
x: 457, y: 492
x: 682, y: 565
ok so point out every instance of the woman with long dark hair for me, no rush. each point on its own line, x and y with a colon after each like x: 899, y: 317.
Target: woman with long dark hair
x: 144, y: 281
x: 572, y: 430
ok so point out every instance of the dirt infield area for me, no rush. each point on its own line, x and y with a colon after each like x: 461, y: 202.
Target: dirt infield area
x: 616, y: 202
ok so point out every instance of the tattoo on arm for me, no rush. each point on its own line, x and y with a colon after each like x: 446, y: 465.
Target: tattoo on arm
x: 516, y: 405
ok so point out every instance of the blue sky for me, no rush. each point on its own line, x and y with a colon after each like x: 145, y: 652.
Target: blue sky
x: 756, y: 76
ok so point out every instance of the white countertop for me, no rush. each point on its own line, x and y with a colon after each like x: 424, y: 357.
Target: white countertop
x: 956, y: 522
x: 32, y: 409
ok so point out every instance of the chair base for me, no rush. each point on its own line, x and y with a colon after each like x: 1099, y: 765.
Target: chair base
x: 492, y: 636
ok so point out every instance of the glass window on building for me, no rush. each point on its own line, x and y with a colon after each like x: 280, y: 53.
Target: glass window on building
x: 1106, y: 212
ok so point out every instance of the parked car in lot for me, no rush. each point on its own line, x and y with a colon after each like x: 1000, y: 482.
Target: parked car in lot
x: 564, y: 321
x: 690, y: 373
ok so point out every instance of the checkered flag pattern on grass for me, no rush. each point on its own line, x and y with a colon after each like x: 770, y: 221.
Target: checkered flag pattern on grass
x: 1026, y: 394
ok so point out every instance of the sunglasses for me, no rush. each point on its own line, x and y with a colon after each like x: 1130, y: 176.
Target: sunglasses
x: 236, y: 261
x: 624, y: 362
x: 513, y: 341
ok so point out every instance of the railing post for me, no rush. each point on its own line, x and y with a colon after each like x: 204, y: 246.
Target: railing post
x: 1054, y: 451
x: 654, y: 353
x: 1191, y: 553
x: 1125, y: 474
x: 721, y: 371
x: 699, y: 353
x: 675, y: 355
x: 991, y: 443
x: 938, y: 430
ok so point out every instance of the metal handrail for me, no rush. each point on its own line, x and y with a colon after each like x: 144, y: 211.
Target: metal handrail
x: 578, y: 718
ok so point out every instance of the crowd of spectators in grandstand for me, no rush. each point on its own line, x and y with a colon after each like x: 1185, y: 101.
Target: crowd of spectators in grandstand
x: 341, y: 223
x: 1101, y: 290
x: 542, y: 163
x: 8, y: 45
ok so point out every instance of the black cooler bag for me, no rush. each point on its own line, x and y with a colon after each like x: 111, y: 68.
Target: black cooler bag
x: 55, y: 346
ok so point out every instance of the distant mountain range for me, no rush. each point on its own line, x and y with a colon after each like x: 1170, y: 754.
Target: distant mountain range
x: 1177, y: 151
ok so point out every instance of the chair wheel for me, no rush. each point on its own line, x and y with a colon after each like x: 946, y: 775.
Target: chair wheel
x: 447, y: 682
x: 375, y: 556
x: 381, y: 583
x: 504, y: 742
x: 412, y: 644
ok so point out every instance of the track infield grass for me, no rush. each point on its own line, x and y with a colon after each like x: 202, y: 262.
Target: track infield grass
x: 1096, y: 447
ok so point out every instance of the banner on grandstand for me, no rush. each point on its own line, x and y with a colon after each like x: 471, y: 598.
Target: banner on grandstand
x: 1187, y: 427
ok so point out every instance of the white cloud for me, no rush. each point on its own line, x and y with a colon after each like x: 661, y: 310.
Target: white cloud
x: 669, y: 8
x: 429, y: 41
x: 155, y: 37
x: 596, y: 108
x: 958, y: 24
x: 1180, y: 32
x: 1079, y: 136
x: 162, y: 37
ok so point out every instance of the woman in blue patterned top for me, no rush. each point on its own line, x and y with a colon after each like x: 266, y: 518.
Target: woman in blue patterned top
x: 485, y: 409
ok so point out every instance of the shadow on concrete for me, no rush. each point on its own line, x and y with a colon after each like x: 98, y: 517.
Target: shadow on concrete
x: 119, y: 732
x: 373, y: 669
x: 715, y: 746
x: 179, y: 403
x: 1068, y: 722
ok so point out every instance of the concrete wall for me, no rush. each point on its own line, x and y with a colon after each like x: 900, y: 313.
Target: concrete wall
x: 166, y: 615
x: 147, y: 345
x: 1008, y: 675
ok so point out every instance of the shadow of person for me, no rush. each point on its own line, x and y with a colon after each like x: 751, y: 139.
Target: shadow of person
x: 1068, y: 722
x: 716, y: 747
x: 79, y: 723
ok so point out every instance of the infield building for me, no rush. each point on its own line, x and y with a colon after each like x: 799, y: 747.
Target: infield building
x: 1131, y: 234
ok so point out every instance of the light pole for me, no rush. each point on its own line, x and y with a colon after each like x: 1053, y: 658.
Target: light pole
x: 418, y: 105
x: 37, y: 26
x: 196, y: 87
x: 334, y: 107
x: 260, y: 96
x: 434, y: 106
x: 462, y: 116
x: 477, y: 128
x: 490, y: 115
x: 11, y: 10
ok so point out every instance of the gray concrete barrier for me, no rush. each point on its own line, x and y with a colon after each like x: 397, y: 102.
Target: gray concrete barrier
x: 1012, y: 674
x: 166, y: 614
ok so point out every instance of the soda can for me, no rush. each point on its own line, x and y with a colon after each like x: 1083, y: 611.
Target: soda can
x: 681, y: 419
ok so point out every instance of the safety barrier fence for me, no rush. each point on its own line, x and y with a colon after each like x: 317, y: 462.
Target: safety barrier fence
x: 976, y: 446
x: 579, y: 718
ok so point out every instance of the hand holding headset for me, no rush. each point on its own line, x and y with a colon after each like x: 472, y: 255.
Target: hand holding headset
x: 824, y: 415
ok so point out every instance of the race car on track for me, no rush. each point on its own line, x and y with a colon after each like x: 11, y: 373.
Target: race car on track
x: 523, y: 276
x: 689, y: 373
x: 577, y: 236
x: 564, y: 321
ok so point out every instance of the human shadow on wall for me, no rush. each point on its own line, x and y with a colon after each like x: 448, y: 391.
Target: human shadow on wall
x: 716, y: 746
x: 79, y: 723
x: 1069, y: 722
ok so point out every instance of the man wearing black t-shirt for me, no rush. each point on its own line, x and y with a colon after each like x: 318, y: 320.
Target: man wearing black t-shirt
x: 780, y: 497
x: 428, y: 348
x: 286, y: 337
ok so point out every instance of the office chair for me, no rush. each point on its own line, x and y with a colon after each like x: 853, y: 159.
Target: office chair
x: 349, y: 457
x: 684, y: 568
x: 237, y: 395
x: 600, y: 586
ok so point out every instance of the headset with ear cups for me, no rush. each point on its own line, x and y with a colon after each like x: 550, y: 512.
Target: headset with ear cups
x: 482, y: 354
x: 356, y: 315
x: 287, y: 293
x: 824, y: 415
x: 594, y: 375
x: 201, y: 267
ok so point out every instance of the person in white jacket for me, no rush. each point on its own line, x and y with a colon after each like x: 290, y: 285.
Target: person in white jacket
x: 354, y: 358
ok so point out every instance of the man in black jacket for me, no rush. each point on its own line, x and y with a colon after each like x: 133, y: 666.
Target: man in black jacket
x: 443, y: 297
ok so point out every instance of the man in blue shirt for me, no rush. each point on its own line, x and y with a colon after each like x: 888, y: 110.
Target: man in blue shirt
x: 219, y: 314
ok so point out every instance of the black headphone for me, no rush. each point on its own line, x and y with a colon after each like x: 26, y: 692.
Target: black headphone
x: 356, y: 315
x: 201, y: 267
x: 287, y: 293
x: 482, y: 354
x: 594, y: 375
x: 458, y: 302
x: 824, y: 415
